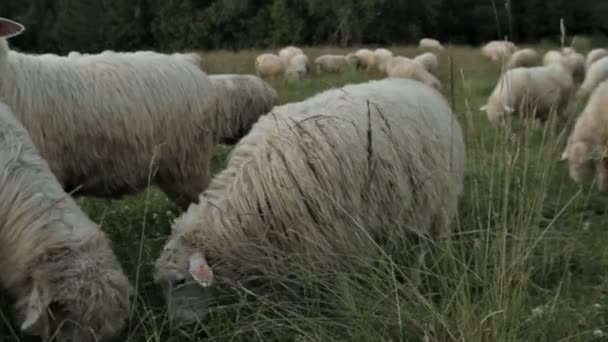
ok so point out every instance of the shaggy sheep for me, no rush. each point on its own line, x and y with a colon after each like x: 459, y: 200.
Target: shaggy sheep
x: 190, y: 57
x: 498, y: 50
x: 597, y: 73
x: 537, y: 90
x: 330, y: 63
x: 297, y: 67
x: 586, y: 151
x: 429, y: 61
x: 365, y: 59
x: 55, y: 262
x: 594, y: 55
x: 288, y: 52
x: 403, y: 67
x: 430, y: 44
x: 250, y: 97
x: 112, y: 125
x: 523, y: 58
x: 269, y: 65
x: 345, y: 172
x: 381, y: 57
x: 551, y: 57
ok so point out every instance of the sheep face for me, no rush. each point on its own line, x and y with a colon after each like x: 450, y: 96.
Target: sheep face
x: 580, y: 162
x: 75, y: 295
x: 186, y: 279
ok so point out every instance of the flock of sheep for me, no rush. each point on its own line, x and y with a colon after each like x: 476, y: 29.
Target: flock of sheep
x: 378, y: 155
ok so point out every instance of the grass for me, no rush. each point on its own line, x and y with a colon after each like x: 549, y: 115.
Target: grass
x: 527, y: 262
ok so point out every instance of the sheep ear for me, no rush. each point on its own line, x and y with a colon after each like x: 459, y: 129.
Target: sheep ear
x: 9, y: 28
x: 200, y: 270
x: 35, y: 319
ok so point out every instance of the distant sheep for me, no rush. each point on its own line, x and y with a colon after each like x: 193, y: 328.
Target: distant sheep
x: 366, y: 59
x: 498, y: 50
x: 300, y: 183
x: 268, y: 65
x: 247, y: 97
x: 576, y: 62
x: 523, y: 58
x: 112, y: 125
x: 595, y: 55
x: 551, y: 57
x: 429, y: 61
x: 586, y: 151
x: 74, y: 54
x: 568, y: 50
x: 403, y: 67
x: 55, y: 262
x: 537, y: 90
x: 597, y: 73
x: 288, y: 52
x: 381, y: 57
x: 430, y: 44
x: 330, y: 63
x: 297, y: 67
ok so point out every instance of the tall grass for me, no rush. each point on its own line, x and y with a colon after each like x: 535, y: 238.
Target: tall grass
x: 526, y: 261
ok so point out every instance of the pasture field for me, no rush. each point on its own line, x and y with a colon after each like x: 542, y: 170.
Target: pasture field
x: 528, y: 260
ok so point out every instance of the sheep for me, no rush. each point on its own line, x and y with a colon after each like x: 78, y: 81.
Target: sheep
x: 430, y: 44
x: 595, y: 55
x: 498, y: 50
x: 539, y: 89
x: 322, y: 150
x: 113, y: 125
x: 288, y: 52
x: 330, y: 63
x: 597, y: 73
x: 403, y: 67
x: 74, y: 54
x: 523, y: 58
x: 568, y: 50
x: 586, y: 148
x: 250, y: 97
x: 365, y: 59
x: 190, y: 57
x: 429, y: 61
x: 297, y: 67
x: 52, y: 256
x: 268, y: 65
x: 576, y: 62
x: 381, y: 57
x: 551, y: 57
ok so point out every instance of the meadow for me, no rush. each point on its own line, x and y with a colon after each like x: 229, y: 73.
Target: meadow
x: 527, y: 261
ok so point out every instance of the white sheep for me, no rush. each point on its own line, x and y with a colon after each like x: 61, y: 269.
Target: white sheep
x: 366, y: 59
x: 597, y: 73
x: 330, y: 63
x: 429, y: 61
x: 381, y: 57
x: 568, y: 50
x: 268, y: 65
x: 576, y: 62
x: 595, y: 55
x: 537, y: 91
x: 250, y: 97
x: 191, y: 57
x: 288, y: 52
x: 586, y: 151
x: 297, y: 67
x: 552, y: 56
x: 74, y: 54
x: 430, y: 44
x: 403, y: 67
x: 320, y: 178
x: 55, y: 262
x: 523, y: 58
x: 112, y: 125
x: 498, y: 50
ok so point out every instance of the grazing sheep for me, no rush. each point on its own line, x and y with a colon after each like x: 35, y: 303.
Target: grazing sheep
x: 498, y: 50
x: 300, y: 184
x: 55, y: 262
x: 288, y: 52
x: 113, y: 125
x: 597, y: 73
x: 595, y: 55
x: 381, y: 57
x: 250, y: 97
x: 268, y: 65
x: 403, y: 67
x: 551, y: 57
x: 365, y: 59
x: 576, y: 62
x: 297, y: 67
x: 537, y: 90
x: 587, y: 151
x: 523, y: 58
x: 330, y: 63
x: 430, y: 44
x: 568, y: 50
x: 429, y: 61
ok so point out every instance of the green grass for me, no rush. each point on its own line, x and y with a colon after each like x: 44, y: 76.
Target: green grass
x: 527, y: 263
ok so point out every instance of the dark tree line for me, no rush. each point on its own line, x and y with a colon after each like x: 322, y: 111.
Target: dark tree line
x: 95, y: 25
